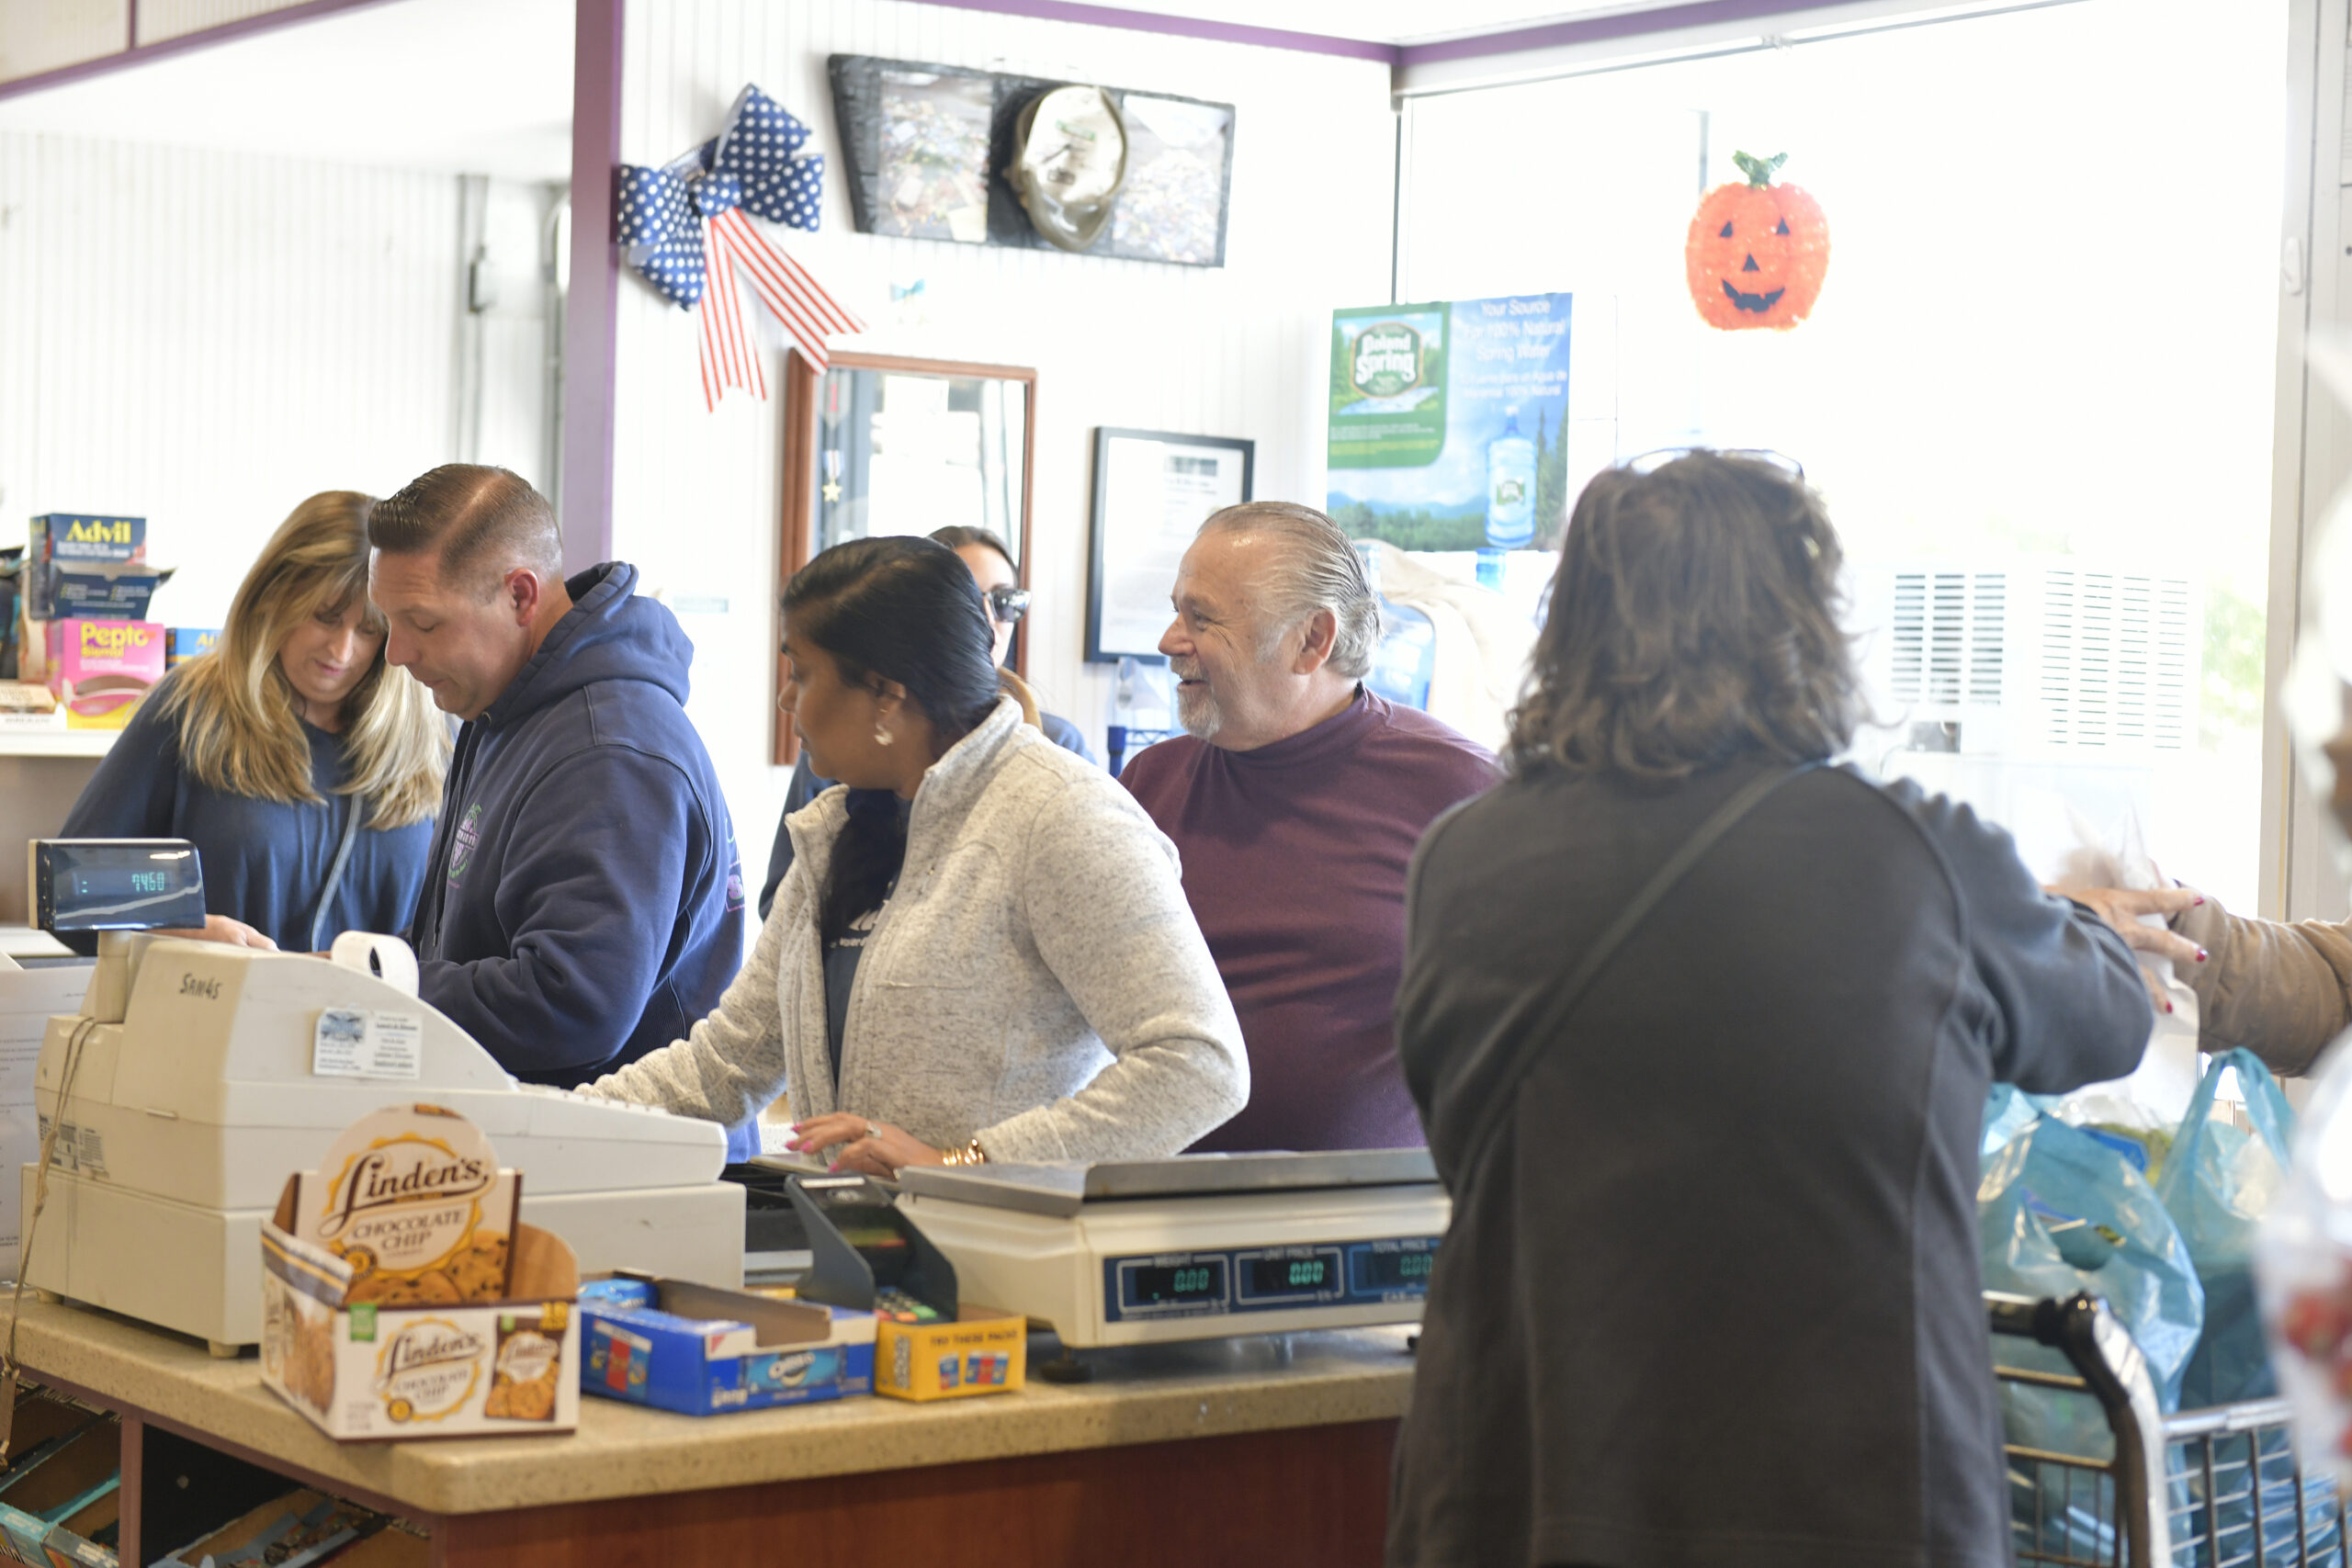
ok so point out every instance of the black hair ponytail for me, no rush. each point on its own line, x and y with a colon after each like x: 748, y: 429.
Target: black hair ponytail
x: 892, y: 609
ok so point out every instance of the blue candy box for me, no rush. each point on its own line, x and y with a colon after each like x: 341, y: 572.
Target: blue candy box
x: 700, y: 1351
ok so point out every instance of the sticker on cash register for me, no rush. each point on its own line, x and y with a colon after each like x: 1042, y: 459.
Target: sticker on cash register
x: 356, y: 1043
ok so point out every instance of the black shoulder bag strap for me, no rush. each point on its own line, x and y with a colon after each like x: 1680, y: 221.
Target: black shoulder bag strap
x: 320, y: 937
x: 1500, y: 1061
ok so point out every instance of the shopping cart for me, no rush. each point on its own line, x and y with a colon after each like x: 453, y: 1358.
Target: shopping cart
x: 2215, y: 1488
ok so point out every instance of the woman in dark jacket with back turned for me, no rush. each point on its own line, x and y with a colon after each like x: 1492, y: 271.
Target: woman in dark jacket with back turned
x: 1711, y: 1293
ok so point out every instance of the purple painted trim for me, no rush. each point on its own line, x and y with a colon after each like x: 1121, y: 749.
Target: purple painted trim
x: 592, y: 308
x: 141, y: 54
x: 1596, y: 29
x: 1181, y: 27
x: 1548, y: 35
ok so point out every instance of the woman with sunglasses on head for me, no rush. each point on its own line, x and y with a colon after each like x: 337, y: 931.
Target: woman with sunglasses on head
x: 1702, y: 1030
x: 991, y: 564
x: 304, y: 768
x: 982, y: 950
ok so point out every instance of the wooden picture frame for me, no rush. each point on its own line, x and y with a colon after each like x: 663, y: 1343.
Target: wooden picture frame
x: 797, y: 522
x: 1103, y: 597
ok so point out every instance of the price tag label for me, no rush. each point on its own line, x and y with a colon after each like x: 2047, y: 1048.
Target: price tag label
x: 355, y: 1042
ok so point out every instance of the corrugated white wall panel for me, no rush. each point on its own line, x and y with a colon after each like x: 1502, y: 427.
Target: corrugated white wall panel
x: 204, y: 338
x: 1236, y: 351
x: 161, y: 19
x: 48, y: 35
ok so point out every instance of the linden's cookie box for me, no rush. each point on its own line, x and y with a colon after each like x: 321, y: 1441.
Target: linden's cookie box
x: 401, y: 1300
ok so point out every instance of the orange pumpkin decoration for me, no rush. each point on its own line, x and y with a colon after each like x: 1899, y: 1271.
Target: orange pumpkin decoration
x: 1757, y: 252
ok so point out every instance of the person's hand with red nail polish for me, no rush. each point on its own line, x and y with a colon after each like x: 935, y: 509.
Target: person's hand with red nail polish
x: 2121, y: 908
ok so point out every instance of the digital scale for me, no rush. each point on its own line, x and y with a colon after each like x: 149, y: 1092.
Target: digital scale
x: 1198, y: 1247
x: 196, y: 1088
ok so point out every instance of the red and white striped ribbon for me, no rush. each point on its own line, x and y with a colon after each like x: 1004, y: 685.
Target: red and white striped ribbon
x: 730, y: 352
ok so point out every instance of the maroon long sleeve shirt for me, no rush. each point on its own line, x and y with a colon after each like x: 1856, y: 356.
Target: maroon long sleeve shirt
x: 1294, y: 860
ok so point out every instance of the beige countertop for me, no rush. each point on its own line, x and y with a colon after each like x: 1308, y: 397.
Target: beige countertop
x: 1147, y: 1394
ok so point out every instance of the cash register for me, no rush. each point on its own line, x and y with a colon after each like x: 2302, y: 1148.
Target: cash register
x: 198, y: 1075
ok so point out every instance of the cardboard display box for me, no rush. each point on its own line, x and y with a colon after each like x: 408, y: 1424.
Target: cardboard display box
x: 399, y: 1298
x: 82, y: 537
x: 99, y: 670
x: 305, y: 1527
x: 981, y: 1351
x: 62, y: 1506
x: 374, y: 1373
x: 700, y: 1351
x: 184, y: 643
x: 108, y: 591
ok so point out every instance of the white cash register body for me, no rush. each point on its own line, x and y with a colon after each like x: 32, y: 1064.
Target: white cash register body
x: 185, y: 1119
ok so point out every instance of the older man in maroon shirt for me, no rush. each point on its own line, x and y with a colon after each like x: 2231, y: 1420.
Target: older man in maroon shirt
x: 1296, y: 798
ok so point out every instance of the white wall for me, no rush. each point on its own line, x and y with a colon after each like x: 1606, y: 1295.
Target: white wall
x: 1238, y: 351
x: 203, y: 338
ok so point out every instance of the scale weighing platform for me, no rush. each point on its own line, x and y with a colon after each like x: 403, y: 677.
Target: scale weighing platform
x: 1198, y: 1247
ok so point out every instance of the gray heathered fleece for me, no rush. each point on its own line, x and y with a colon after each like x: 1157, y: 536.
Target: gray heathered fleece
x: 1037, y: 981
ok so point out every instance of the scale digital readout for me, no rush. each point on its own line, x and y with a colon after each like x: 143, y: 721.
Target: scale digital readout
x: 76, y: 886
x: 1268, y: 1278
x: 1191, y: 1247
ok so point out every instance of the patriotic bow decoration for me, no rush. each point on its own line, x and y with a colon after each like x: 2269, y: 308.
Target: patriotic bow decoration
x: 685, y: 229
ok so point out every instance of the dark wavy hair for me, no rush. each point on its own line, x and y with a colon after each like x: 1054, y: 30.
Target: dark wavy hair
x: 1693, y: 618
x: 892, y: 609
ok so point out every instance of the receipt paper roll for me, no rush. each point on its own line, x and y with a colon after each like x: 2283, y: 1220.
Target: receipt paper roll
x: 387, y: 958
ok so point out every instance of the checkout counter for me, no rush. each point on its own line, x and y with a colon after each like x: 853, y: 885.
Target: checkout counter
x: 1232, y: 1362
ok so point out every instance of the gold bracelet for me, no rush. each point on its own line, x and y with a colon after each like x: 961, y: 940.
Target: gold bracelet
x: 970, y: 1154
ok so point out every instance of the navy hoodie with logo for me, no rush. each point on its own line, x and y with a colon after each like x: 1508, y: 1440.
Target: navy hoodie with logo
x: 583, y: 904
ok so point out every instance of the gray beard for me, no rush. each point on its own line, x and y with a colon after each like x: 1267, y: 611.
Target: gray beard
x: 1199, y: 715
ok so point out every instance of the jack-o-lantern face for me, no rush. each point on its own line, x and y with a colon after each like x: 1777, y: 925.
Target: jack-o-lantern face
x: 1757, y: 252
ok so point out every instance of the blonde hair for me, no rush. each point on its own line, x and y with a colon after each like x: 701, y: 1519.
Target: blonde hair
x: 1016, y: 688
x: 240, y: 725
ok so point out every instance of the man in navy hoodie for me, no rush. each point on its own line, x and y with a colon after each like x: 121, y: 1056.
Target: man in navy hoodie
x: 582, y: 904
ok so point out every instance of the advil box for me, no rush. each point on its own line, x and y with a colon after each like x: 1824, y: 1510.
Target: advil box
x: 99, y: 670
x: 78, y: 536
x: 94, y: 591
x: 184, y: 643
x: 700, y: 1351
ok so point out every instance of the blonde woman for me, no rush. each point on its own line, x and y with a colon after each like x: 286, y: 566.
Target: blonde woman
x: 304, y: 769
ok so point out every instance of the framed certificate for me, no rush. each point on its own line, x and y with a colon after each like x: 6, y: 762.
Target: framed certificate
x: 1152, y: 492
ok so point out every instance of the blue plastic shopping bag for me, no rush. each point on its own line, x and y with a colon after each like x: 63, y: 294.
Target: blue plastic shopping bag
x: 2058, y: 1211
x: 2217, y: 1185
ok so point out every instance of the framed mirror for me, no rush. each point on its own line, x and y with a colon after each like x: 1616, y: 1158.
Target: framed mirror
x: 879, y: 444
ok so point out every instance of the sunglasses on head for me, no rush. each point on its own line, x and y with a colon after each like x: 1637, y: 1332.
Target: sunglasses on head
x: 1007, y: 605
x: 1650, y: 462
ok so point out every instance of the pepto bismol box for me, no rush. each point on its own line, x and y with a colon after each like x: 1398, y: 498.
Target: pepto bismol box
x: 100, y: 670
x: 82, y: 537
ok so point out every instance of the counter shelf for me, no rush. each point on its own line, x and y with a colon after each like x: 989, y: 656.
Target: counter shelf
x: 1176, y: 1451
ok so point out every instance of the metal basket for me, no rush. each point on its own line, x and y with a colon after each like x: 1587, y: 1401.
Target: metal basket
x: 2217, y: 1488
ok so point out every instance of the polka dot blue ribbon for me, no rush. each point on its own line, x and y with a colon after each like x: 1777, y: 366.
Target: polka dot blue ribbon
x: 685, y: 228
x: 756, y: 164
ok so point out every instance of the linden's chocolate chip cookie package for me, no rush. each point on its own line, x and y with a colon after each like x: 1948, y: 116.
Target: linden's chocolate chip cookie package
x: 412, y: 1197
x: 400, y: 1297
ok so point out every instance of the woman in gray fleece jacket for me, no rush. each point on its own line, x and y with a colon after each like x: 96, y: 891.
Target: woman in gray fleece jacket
x: 983, y: 949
